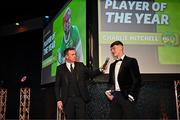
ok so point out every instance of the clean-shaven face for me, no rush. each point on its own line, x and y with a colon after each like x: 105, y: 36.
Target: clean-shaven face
x: 71, y: 56
x: 117, y: 51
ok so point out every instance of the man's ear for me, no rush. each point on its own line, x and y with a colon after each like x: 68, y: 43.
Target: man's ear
x: 66, y: 57
x: 122, y: 47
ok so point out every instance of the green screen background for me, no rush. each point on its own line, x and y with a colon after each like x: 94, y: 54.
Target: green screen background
x: 169, y: 53
x: 78, y: 18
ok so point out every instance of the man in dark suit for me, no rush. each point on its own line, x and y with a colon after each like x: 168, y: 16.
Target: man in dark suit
x: 71, y: 86
x: 125, y: 78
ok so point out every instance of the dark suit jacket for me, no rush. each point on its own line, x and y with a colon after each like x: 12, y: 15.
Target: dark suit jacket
x: 129, y: 77
x: 82, y: 75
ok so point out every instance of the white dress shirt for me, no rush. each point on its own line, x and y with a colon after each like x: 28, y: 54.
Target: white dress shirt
x: 69, y: 66
x: 117, y: 67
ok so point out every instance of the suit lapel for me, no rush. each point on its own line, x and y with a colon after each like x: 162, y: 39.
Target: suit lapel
x: 122, y: 64
x: 66, y: 71
x: 113, y: 72
x: 76, y: 70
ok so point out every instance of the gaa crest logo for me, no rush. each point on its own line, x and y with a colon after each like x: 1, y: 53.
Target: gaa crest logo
x: 169, y: 39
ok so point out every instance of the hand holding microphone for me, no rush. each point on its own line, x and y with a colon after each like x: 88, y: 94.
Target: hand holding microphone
x: 104, y: 66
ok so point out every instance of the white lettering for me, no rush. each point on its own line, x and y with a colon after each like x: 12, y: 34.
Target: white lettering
x: 139, y: 17
x: 127, y: 18
x: 138, y: 6
x: 145, y: 6
x: 119, y: 17
x: 114, y: 5
x: 109, y: 16
x: 164, y: 19
x: 147, y: 19
x: 131, y: 4
x: 123, y: 5
x: 155, y: 6
x: 163, y: 6
x: 108, y: 3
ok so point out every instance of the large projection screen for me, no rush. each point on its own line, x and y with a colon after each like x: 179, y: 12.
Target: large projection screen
x: 149, y: 29
x: 55, y: 41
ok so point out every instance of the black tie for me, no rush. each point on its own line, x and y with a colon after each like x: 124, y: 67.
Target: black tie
x: 117, y: 60
x: 71, y: 67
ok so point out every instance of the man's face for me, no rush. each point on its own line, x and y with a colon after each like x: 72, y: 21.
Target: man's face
x: 116, y: 50
x: 71, y: 56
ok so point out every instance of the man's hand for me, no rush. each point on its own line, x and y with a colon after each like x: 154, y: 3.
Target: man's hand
x: 60, y: 105
x: 103, y: 68
x: 105, y: 65
x: 109, y: 95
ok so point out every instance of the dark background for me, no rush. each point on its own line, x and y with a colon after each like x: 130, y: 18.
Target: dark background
x: 21, y: 55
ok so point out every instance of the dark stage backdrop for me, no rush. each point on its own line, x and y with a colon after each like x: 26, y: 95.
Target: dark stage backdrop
x: 156, y: 100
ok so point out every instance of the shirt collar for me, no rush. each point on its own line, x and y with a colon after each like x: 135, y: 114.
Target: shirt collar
x: 68, y: 64
x: 122, y: 57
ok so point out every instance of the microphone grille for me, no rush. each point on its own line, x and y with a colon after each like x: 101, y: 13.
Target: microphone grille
x: 107, y: 58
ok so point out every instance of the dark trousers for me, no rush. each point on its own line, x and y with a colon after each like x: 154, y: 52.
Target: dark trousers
x: 75, y: 108
x: 121, y: 108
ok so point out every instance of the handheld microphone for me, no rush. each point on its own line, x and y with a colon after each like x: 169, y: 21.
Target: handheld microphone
x: 105, y: 63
